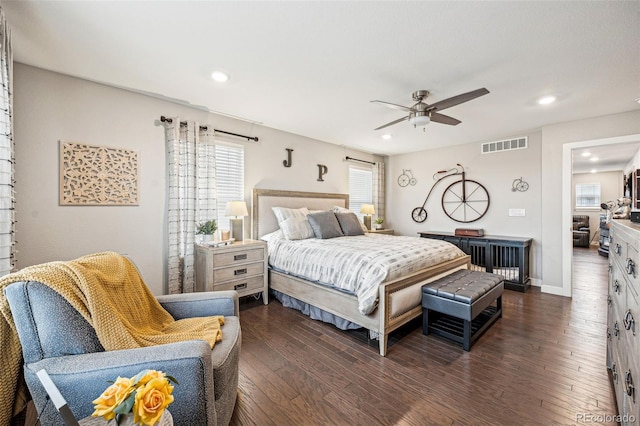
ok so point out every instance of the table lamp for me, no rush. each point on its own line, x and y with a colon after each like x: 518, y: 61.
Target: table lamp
x: 237, y: 210
x: 367, y: 210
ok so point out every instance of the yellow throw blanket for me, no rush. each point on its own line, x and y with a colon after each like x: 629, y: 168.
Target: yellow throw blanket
x: 107, y: 290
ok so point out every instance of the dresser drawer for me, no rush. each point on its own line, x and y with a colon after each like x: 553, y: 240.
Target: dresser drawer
x: 250, y: 283
x: 238, y: 271
x: 237, y: 257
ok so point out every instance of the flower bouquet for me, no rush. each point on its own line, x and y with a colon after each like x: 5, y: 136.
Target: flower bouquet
x: 146, y: 395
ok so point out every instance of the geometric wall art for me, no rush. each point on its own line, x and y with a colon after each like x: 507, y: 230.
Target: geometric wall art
x: 97, y: 176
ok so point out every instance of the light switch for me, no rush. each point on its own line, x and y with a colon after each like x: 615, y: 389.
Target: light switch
x: 516, y: 212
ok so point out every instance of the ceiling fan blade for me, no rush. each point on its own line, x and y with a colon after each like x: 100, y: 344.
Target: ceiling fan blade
x: 392, y: 123
x: 455, y: 100
x: 444, y: 119
x: 394, y: 106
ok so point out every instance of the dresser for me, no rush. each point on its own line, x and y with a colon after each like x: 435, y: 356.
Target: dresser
x: 506, y: 256
x: 623, y: 333
x: 240, y: 266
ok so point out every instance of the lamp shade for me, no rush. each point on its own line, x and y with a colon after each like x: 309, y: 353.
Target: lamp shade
x: 236, y: 208
x: 419, y: 120
x: 367, y: 209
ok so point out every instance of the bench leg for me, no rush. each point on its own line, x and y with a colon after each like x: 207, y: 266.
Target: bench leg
x: 425, y: 322
x: 466, y: 339
x: 499, y: 305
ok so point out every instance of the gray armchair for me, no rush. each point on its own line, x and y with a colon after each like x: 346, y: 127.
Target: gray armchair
x: 581, y: 232
x: 54, y: 336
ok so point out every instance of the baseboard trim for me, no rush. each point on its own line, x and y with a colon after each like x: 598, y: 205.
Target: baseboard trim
x: 552, y: 289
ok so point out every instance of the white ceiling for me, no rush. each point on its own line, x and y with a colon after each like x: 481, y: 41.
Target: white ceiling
x: 604, y: 158
x: 312, y: 68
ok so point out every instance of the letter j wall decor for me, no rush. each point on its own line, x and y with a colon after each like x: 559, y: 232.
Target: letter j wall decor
x: 98, y: 175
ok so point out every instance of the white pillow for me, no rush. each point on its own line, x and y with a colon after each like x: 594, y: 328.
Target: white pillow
x: 338, y: 209
x: 297, y: 228
x: 284, y: 213
x: 273, y: 236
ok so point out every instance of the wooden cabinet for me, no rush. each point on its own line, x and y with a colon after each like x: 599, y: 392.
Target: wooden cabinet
x: 240, y: 266
x: 381, y: 231
x: 623, y: 332
x: 507, y: 256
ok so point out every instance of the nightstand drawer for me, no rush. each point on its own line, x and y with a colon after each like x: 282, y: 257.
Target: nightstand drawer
x: 238, y: 271
x: 251, y: 283
x: 237, y: 257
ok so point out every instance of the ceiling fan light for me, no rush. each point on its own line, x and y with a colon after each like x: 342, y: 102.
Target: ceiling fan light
x: 420, y: 120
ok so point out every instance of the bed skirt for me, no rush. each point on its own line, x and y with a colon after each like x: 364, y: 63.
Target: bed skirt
x: 318, y: 314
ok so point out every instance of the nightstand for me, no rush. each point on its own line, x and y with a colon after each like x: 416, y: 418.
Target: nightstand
x: 381, y: 231
x: 240, y: 266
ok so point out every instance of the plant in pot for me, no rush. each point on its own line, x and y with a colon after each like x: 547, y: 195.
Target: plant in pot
x: 378, y: 223
x: 207, y: 230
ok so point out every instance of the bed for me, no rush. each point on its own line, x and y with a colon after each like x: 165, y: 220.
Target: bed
x: 398, y: 298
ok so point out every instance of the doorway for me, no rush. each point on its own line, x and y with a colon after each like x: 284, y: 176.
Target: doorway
x: 567, y: 199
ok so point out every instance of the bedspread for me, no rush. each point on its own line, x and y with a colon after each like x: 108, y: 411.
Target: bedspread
x: 358, y: 264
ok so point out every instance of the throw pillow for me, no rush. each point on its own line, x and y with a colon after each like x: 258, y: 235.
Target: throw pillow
x: 325, y: 225
x: 349, y: 224
x: 297, y: 228
x: 338, y: 209
x: 284, y: 213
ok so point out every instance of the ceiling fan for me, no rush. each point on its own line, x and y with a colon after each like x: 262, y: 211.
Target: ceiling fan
x: 420, y: 114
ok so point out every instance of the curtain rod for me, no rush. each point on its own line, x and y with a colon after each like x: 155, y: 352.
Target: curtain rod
x: 355, y: 159
x: 183, y: 123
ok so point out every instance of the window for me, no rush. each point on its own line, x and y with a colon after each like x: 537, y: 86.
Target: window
x: 588, y: 195
x: 229, y: 177
x: 360, y: 188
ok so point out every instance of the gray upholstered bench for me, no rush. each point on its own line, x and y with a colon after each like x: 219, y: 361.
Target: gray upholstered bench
x: 459, y: 306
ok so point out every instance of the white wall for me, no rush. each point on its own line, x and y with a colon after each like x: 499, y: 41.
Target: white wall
x: 495, y: 171
x: 49, y: 107
x: 610, y: 189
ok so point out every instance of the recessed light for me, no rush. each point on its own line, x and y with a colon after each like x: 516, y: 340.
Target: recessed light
x: 594, y: 171
x: 593, y: 159
x: 219, y: 76
x: 386, y: 136
x: 638, y: 100
x: 547, y: 100
x: 586, y: 154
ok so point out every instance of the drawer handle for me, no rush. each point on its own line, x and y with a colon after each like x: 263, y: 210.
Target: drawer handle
x: 628, y: 384
x: 608, y: 334
x: 240, y: 286
x: 631, y: 267
x: 240, y: 271
x: 616, y: 286
x: 614, y: 372
x: 240, y: 256
x: 618, y: 249
x: 609, y: 300
x: 629, y: 322
x: 616, y: 329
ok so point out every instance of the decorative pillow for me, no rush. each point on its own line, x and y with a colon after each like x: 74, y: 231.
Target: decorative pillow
x: 338, y: 209
x: 325, y: 225
x: 284, y: 213
x: 349, y: 224
x: 297, y: 228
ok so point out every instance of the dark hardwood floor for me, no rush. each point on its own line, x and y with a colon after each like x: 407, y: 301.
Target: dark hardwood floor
x: 542, y: 363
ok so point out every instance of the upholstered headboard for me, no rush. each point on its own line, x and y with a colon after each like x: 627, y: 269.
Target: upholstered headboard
x: 263, y: 221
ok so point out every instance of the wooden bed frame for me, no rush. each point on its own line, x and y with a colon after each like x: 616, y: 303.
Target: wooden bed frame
x: 386, y: 317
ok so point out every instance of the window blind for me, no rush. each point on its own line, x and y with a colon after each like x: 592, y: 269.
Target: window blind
x: 360, y: 188
x: 229, y: 178
x: 588, y: 195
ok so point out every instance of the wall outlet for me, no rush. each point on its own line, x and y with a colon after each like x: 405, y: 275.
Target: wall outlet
x: 516, y: 212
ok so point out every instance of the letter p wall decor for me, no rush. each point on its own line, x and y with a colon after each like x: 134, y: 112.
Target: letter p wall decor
x: 322, y: 170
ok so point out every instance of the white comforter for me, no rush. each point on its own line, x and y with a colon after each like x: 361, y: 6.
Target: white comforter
x: 357, y: 264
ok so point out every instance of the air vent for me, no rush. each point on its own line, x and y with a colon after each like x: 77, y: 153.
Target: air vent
x: 505, y: 145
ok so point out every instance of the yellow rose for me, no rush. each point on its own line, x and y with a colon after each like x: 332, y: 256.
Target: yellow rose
x: 150, y: 374
x: 151, y: 400
x: 112, y: 397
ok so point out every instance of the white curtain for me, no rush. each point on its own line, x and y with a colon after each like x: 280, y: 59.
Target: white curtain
x: 7, y: 196
x: 192, y: 196
x: 378, y: 188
